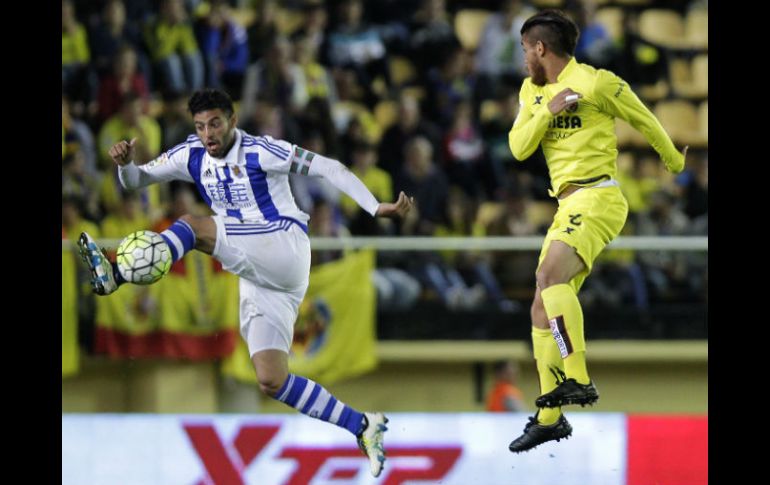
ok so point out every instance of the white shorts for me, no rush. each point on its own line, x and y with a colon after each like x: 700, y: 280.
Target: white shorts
x: 273, y: 263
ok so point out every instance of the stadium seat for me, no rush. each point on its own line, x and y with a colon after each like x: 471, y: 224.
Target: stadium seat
x: 416, y: 92
x: 633, y: 3
x: 488, y: 212
x: 654, y: 92
x: 402, y: 70
x: 155, y: 108
x: 243, y: 16
x: 703, y: 119
x: 541, y: 212
x: 662, y: 27
x: 611, y: 18
x: 689, y: 79
x: 548, y: 3
x: 289, y: 20
x: 489, y: 110
x: 469, y: 25
x: 696, y: 24
x: 386, y: 113
x: 628, y: 137
x: 680, y: 119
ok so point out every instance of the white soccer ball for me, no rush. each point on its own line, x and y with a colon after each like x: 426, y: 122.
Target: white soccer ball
x: 143, y: 257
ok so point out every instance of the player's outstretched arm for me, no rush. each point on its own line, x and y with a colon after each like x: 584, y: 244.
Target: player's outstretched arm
x: 171, y: 165
x: 398, y: 209
x: 615, y: 97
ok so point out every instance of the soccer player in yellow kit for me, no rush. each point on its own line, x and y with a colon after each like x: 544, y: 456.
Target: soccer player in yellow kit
x: 570, y: 109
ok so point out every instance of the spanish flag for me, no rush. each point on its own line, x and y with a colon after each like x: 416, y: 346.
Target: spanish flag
x: 186, y: 315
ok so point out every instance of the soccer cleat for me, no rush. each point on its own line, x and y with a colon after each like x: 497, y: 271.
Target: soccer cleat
x: 537, y: 434
x: 103, y: 281
x: 569, y: 391
x: 370, y: 441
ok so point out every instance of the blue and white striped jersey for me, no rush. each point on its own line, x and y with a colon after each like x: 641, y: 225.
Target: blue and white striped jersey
x: 250, y: 183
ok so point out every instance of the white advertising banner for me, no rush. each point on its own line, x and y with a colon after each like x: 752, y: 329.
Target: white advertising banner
x: 451, y: 449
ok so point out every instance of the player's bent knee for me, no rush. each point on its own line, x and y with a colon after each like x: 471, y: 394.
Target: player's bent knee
x: 270, y: 388
x: 270, y: 382
x: 546, y: 278
x: 205, y: 231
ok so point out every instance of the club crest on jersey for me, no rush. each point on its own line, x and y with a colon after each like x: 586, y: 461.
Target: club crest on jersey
x: 237, y: 171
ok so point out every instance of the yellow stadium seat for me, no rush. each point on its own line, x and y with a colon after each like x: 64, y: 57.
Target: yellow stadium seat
x: 680, y: 119
x: 402, y: 70
x: 155, y: 108
x: 244, y: 16
x: 611, y: 18
x: 488, y: 212
x: 689, y: 79
x: 386, y: 113
x: 469, y: 25
x: 627, y: 135
x: 633, y: 3
x: 416, y: 92
x: 696, y: 25
x: 654, y: 92
x: 490, y: 109
x: 541, y: 212
x: 548, y: 3
x: 662, y: 27
x: 703, y: 119
x: 289, y: 20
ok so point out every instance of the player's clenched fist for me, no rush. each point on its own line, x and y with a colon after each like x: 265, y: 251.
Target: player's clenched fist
x: 123, y: 152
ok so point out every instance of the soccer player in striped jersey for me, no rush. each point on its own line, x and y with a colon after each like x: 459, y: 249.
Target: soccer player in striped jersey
x: 257, y: 233
x: 570, y: 109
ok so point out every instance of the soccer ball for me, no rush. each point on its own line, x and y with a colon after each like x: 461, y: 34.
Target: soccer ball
x: 143, y: 257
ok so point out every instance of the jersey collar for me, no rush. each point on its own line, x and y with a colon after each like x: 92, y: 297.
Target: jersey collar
x: 568, y: 69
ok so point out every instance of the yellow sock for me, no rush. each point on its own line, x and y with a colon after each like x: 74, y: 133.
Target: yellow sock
x: 546, y: 357
x: 566, y: 319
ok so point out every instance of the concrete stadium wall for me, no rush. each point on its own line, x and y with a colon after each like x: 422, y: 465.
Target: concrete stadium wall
x: 632, y: 377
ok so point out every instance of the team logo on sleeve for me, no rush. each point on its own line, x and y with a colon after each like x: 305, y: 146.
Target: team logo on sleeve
x: 301, y: 160
x: 163, y: 158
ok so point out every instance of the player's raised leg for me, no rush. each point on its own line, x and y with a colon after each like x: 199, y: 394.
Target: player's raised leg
x: 186, y: 233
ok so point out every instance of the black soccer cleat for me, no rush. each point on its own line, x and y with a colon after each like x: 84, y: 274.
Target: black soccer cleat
x: 569, y: 391
x: 537, y: 434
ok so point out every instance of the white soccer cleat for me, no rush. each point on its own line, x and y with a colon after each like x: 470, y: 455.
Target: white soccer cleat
x: 103, y: 281
x: 370, y: 441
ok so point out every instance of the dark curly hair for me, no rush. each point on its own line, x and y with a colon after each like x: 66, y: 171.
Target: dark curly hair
x: 207, y: 99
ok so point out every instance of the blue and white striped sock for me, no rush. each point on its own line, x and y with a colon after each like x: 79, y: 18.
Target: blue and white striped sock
x: 311, y: 399
x: 180, y: 237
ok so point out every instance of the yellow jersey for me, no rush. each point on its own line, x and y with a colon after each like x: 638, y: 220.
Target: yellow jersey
x: 579, y: 143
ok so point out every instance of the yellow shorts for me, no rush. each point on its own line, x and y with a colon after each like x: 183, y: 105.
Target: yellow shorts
x: 587, y: 220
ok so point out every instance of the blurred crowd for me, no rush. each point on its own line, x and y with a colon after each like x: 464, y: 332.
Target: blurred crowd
x: 416, y: 96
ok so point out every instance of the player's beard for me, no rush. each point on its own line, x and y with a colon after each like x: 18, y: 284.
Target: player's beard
x: 224, y: 146
x: 537, y: 73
